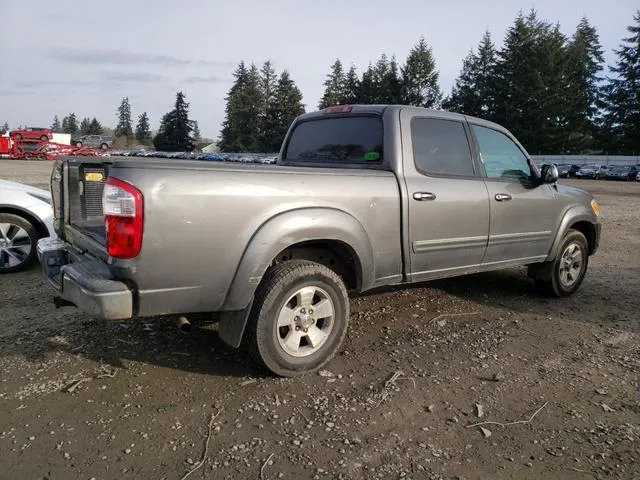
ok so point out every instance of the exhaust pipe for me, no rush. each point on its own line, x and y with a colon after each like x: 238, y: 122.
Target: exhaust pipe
x: 183, y: 324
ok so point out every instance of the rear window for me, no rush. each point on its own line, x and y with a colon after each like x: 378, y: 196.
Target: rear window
x: 349, y: 140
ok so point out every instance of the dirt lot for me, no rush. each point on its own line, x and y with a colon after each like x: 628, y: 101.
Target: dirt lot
x: 82, y: 399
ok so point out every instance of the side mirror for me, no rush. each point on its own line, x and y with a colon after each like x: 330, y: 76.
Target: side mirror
x: 549, y: 174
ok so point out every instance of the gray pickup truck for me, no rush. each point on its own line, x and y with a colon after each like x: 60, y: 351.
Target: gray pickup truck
x: 360, y: 197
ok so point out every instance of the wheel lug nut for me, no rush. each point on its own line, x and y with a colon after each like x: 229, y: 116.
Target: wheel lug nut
x: 305, y: 330
x: 297, y: 328
x: 310, y: 311
x: 297, y: 319
x: 302, y: 310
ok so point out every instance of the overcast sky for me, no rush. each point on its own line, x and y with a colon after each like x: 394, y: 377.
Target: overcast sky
x: 72, y: 56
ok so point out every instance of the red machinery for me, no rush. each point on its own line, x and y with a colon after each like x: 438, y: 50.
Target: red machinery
x: 41, y: 150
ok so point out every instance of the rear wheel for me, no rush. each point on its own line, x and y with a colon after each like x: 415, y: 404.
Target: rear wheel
x: 299, y: 318
x: 569, y: 267
x: 44, y: 138
x: 78, y: 144
x: 18, y: 239
x: 104, y: 146
x: 18, y: 136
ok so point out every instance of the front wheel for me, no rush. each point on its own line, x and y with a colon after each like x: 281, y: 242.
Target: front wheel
x: 104, y: 146
x: 299, y: 318
x: 78, y: 144
x: 18, y: 241
x: 569, y: 266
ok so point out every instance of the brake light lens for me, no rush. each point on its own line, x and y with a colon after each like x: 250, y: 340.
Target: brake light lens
x: 123, y: 218
x: 338, y: 109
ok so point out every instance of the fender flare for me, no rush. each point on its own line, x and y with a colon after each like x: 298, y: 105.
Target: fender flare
x: 287, y: 229
x: 573, y: 215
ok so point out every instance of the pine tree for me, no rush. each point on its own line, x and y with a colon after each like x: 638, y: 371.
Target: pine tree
x: 351, y: 86
x: 95, y: 128
x: 582, y: 92
x: 621, y: 120
x: 196, y: 132
x: 529, y: 85
x: 334, y: 87
x: 242, y: 123
x: 367, y: 89
x: 391, y: 84
x: 176, y: 127
x: 85, y: 126
x: 471, y: 93
x: 55, y: 126
x: 4, y: 129
x: 123, y: 128
x: 268, y: 85
x: 70, y: 124
x: 420, y: 78
x: 287, y: 105
x: 143, y: 129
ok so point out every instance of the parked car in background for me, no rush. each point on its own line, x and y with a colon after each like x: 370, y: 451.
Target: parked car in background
x: 622, y: 172
x: 638, y: 177
x: 32, y: 133
x: 26, y: 215
x: 568, y: 171
x: 592, y: 171
x: 98, y: 141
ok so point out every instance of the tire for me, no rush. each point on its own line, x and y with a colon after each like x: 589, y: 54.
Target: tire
x: 18, y: 136
x: 288, y: 292
x: 18, y: 239
x: 44, y: 138
x: 558, y: 285
x: 104, y: 146
x: 78, y: 144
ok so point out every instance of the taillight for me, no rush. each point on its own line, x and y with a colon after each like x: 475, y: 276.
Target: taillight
x: 123, y: 218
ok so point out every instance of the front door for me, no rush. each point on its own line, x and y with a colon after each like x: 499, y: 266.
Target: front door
x: 448, y: 204
x: 523, y: 213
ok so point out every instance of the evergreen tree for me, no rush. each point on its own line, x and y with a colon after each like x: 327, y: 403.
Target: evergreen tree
x: 143, y: 129
x: 85, y: 126
x: 55, y: 126
x: 4, y: 129
x: 268, y: 86
x: 242, y: 123
x: 471, y: 93
x: 334, y: 87
x: 70, y: 124
x: 420, y: 78
x: 175, y: 128
x: 529, y: 85
x: 351, y: 86
x: 123, y: 128
x: 287, y: 105
x: 621, y: 120
x: 196, y: 132
x: 367, y: 87
x: 584, y: 62
x: 95, y: 128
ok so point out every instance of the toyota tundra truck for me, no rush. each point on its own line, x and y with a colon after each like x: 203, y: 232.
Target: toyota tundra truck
x: 360, y: 197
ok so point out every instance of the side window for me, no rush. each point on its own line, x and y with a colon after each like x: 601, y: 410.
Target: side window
x: 501, y: 156
x: 440, y: 147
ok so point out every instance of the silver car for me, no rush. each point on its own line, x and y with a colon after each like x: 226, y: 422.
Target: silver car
x: 100, y: 141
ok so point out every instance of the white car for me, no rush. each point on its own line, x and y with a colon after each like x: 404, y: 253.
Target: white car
x: 26, y: 215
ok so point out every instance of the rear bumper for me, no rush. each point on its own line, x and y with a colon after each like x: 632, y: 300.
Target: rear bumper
x: 84, y: 281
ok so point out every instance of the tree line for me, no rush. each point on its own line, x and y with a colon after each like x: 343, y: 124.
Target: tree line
x: 546, y: 87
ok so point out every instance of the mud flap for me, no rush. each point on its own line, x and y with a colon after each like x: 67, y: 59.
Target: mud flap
x: 540, y: 271
x: 232, y: 325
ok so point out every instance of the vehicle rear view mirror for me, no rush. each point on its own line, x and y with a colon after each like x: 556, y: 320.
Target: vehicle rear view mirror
x: 549, y: 173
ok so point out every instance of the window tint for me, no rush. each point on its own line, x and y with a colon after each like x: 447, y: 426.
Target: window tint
x: 440, y: 147
x: 501, y: 156
x: 352, y: 139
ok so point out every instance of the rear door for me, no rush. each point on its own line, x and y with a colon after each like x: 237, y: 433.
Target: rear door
x: 448, y: 202
x: 523, y: 213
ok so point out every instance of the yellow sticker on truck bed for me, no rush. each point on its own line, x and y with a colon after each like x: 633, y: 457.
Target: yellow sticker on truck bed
x: 93, y: 177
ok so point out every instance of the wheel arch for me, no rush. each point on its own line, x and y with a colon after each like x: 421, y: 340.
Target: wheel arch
x: 38, y: 224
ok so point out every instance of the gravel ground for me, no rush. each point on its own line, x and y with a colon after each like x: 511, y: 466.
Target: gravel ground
x: 556, y: 381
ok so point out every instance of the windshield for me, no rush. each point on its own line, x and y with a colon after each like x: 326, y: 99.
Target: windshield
x: 620, y: 169
x: 351, y: 139
x: 588, y: 168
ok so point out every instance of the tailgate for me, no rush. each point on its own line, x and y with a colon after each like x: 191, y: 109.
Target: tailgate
x: 77, y: 184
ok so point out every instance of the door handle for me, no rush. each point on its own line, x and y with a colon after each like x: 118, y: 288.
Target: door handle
x: 502, y: 197
x: 421, y: 196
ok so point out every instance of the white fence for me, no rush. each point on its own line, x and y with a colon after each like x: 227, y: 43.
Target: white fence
x: 587, y: 159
